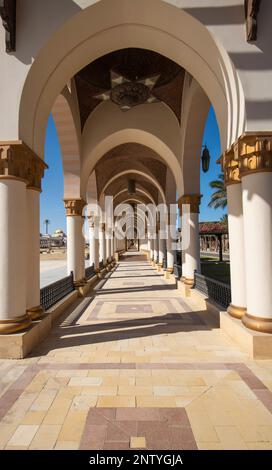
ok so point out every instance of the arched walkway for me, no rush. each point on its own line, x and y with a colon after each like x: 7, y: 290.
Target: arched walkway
x: 132, y: 354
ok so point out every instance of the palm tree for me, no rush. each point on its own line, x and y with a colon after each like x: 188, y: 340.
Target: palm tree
x: 224, y: 219
x: 46, y: 223
x: 219, y: 197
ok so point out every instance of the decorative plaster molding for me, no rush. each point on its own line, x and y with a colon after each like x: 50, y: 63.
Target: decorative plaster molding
x: 74, y: 207
x: 8, y: 15
x: 230, y: 167
x: 193, y: 200
x: 251, y: 153
x: 18, y: 161
x: 252, y: 8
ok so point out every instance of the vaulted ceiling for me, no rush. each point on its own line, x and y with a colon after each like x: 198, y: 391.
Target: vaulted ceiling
x: 133, y: 64
x: 137, y: 161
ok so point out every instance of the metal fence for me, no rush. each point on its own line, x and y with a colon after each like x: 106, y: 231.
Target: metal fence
x: 51, y: 294
x: 215, y: 290
x: 89, y: 272
x: 177, y: 270
x: 101, y: 264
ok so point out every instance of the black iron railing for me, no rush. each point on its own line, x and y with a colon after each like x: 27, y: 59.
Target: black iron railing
x: 101, y: 264
x: 177, y: 270
x: 50, y: 295
x: 89, y: 272
x: 215, y: 290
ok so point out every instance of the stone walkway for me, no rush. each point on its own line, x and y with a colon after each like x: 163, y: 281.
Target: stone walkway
x: 139, y: 367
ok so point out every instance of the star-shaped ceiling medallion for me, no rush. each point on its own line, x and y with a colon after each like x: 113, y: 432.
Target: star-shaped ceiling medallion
x: 128, y: 94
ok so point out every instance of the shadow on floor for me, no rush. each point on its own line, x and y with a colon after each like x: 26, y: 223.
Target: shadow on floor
x: 171, y: 323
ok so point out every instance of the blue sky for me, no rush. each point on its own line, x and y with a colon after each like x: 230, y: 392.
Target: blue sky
x: 51, y: 198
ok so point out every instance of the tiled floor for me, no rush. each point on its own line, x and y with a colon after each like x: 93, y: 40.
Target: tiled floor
x: 139, y: 356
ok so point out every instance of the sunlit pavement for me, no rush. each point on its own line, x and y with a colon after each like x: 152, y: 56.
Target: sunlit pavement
x: 140, y: 367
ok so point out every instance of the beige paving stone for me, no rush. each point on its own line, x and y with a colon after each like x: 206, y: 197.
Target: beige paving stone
x: 100, y: 391
x: 6, y: 431
x: 73, y: 426
x: 259, y: 446
x: 131, y: 390
x: 84, y: 381
x: 23, y: 435
x: 153, y: 402
x: 137, y: 443
x: 209, y: 446
x: 84, y: 402
x: 43, y: 401
x: 46, y: 437
x: 33, y: 417
x: 72, y: 373
x: 124, y: 381
x: 230, y: 438
x: 58, y: 411
x: 170, y: 391
x: 116, y: 401
x: 67, y: 445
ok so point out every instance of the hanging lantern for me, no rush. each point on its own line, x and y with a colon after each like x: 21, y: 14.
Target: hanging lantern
x: 206, y: 158
x: 131, y: 187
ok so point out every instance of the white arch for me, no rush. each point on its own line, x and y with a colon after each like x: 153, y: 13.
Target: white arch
x: 195, y: 110
x: 138, y: 190
x: 103, y: 28
x: 125, y: 136
x: 137, y: 172
x: 65, y: 123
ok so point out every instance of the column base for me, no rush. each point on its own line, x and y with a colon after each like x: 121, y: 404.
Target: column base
x: 189, y: 282
x: 14, y: 325
x: 236, y: 312
x: 264, y: 325
x: 80, y: 283
x: 35, y: 313
x: 170, y: 270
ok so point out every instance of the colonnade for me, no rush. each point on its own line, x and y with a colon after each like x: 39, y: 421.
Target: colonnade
x: 247, y: 166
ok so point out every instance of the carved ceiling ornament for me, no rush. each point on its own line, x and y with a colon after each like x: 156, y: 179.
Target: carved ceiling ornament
x: 128, y: 94
x: 252, y: 8
x: 18, y: 161
x: 8, y: 15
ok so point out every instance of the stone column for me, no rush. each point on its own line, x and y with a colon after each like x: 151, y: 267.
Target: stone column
x: 170, y: 252
x: 151, y: 240
x: 18, y: 167
x: 108, y: 246
x: 102, y: 244
x: 191, y: 252
x: 75, y: 254
x: 254, y: 153
x: 92, y: 239
x: 237, y: 308
x: 36, y: 173
x: 156, y: 245
x: 161, y: 235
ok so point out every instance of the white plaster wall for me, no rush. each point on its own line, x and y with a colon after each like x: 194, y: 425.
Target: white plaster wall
x: 97, y: 30
x: 154, y: 126
x: 49, y: 30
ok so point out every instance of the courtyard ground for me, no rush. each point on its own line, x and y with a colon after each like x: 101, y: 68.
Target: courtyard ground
x: 135, y: 365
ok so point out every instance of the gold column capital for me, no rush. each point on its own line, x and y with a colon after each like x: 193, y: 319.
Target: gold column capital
x: 193, y: 200
x: 254, y: 151
x: 74, y: 207
x: 230, y: 167
x: 19, y: 162
x: 250, y: 153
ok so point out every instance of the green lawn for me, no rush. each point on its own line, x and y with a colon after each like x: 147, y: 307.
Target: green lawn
x: 216, y: 270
